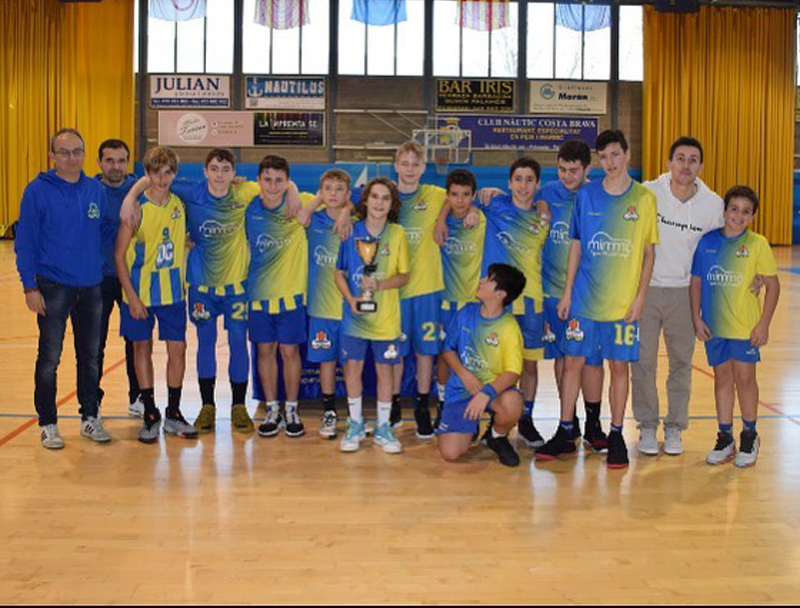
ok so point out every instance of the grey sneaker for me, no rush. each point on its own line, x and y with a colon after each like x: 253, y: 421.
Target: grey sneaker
x: 93, y: 429
x: 273, y: 422
x: 51, y: 438
x: 673, y: 445
x: 647, y: 441
x: 748, y: 449
x: 177, y: 425
x: 328, y: 428
x: 149, y: 431
x: 136, y: 408
x: 724, y: 450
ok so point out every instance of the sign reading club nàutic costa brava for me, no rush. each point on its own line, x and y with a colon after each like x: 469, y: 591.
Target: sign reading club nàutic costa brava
x: 189, y: 91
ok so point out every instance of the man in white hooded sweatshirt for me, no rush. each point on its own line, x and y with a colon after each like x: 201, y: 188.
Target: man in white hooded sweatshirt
x: 687, y: 209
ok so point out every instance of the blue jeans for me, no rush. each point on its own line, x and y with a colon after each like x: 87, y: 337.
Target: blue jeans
x: 84, y: 306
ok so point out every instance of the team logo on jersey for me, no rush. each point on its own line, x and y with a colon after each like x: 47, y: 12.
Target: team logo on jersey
x: 385, y: 250
x: 420, y: 206
x: 453, y: 246
x: 442, y: 333
x: 492, y: 340
x: 719, y: 277
x: 604, y: 244
x: 742, y: 252
x: 321, y: 341
x: 200, y: 313
x: 323, y: 257
x: 534, y: 228
x: 510, y: 243
x: 414, y: 235
x: 391, y: 352
x: 212, y: 228
x: 574, y: 331
x: 402, y: 337
x: 472, y: 360
x: 631, y: 215
x: 559, y: 233
x: 265, y: 242
x: 176, y: 213
x: 94, y: 211
x: 548, y: 337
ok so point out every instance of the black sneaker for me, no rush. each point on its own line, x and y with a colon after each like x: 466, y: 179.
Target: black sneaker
x: 424, y: 426
x: 500, y: 446
x: 439, y: 408
x: 576, y: 428
x: 396, y: 415
x: 594, y: 436
x: 273, y: 423
x: 528, y: 432
x: 617, y: 451
x: 294, y: 426
x: 559, y: 444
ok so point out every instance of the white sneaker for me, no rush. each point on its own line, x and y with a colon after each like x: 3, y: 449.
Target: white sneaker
x: 328, y: 428
x: 748, y: 449
x: 724, y: 450
x: 648, y: 444
x: 673, y: 445
x: 92, y: 428
x: 51, y: 438
x: 353, y: 436
x: 385, y: 437
x: 136, y: 408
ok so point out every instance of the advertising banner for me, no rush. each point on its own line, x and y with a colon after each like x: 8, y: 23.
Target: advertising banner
x: 567, y: 97
x: 475, y: 95
x: 289, y: 128
x: 205, y: 129
x: 281, y: 93
x: 189, y: 91
x: 523, y: 132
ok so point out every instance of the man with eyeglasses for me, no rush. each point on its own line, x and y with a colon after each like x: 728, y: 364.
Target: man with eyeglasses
x: 60, y: 263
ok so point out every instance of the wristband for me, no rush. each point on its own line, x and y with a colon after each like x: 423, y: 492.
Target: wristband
x: 488, y: 389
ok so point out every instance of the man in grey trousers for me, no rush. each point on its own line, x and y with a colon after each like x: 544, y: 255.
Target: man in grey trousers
x: 687, y: 209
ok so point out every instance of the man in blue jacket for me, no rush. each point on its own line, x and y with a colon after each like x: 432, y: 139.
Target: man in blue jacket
x: 60, y: 263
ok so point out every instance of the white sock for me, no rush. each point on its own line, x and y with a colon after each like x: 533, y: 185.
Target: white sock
x: 291, y: 405
x: 354, y: 408
x: 440, y: 390
x: 384, y: 411
x: 272, y: 405
x: 495, y: 434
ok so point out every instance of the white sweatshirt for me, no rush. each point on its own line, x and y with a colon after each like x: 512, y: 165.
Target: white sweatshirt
x: 680, y: 226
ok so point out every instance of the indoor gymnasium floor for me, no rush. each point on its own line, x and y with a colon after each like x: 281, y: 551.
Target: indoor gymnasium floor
x: 233, y: 518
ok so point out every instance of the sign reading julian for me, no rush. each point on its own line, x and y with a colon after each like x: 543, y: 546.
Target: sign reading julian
x: 474, y: 95
x: 278, y: 93
x: 189, y: 91
x: 567, y: 97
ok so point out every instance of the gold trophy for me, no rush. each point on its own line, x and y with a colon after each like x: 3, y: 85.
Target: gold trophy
x: 367, y: 249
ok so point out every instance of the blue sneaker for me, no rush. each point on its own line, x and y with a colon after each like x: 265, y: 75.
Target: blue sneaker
x: 353, y: 436
x: 384, y: 437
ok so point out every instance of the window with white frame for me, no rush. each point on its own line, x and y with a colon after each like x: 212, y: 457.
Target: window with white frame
x: 631, y: 43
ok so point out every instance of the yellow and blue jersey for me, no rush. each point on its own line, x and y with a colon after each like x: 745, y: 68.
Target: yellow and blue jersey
x: 278, y: 271
x: 462, y: 255
x: 218, y: 262
x: 727, y: 266
x: 515, y: 237
x: 561, y: 201
x: 324, y: 299
x: 418, y: 214
x: 155, y: 256
x: 392, y: 259
x: 486, y: 347
x: 613, y: 231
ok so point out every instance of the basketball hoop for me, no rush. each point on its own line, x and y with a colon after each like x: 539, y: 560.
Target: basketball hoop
x: 441, y: 158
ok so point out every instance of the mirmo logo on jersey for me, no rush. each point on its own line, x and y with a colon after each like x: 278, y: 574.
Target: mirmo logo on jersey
x: 510, y: 243
x: 265, y: 242
x: 719, y: 277
x: 559, y: 233
x: 213, y: 228
x: 603, y: 244
x: 473, y: 361
x: 414, y: 235
x: 455, y: 247
x: 323, y: 257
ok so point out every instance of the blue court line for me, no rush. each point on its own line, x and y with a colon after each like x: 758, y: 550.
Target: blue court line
x: 793, y: 269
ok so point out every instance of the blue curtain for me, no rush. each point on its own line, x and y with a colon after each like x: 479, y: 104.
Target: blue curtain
x: 379, y: 12
x: 579, y: 17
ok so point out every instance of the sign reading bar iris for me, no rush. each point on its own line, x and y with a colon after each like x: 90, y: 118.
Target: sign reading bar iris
x: 475, y: 95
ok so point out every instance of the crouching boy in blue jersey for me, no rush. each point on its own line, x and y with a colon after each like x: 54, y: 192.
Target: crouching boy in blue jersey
x: 483, y: 348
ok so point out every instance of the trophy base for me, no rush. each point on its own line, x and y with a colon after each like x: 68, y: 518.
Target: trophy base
x: 366, y: 306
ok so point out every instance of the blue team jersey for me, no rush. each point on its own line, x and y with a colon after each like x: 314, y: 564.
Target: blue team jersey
x: 556, y: 248
x: 462, y: 255
x: 486, y: 347
x: 110, y: 228
x: 324, y: 300
x: 613, y: 231
x: 515, y: 236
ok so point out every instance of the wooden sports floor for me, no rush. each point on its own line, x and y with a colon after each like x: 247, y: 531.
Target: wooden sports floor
x: 241, y: 519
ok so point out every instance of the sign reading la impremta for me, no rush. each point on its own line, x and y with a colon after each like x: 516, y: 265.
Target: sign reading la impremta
x: 475, y: 95
x: 189, y: 91
x: 284, y: 93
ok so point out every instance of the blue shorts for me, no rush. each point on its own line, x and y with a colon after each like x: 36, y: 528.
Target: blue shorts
x: 446, y: 317
x: 531, y: 323
x: 284, y: 327
x: 383, y: 351
x: 615, y: 340
x: 171, y: 323
x: 419, y: 317
x: 324, y: 343
x: 720, y: 350
x: 205, y: 306
x: 453, y: 420
x: 553, y: 334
